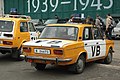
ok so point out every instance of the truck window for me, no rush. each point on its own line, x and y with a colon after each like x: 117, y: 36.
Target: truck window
x: 6, y: 26
x: 23, y: 27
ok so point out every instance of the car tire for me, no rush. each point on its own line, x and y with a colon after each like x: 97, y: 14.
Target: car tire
x: 108, y: 59
x: 79, y: 66
x: 16, y: 54
x: 40, y: 66
x: 3, y: 52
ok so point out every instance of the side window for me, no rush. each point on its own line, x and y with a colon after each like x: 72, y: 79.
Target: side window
x: 31, y: 27
x: 23, y: 27
x: 87, y: 34
x: 96, y: 33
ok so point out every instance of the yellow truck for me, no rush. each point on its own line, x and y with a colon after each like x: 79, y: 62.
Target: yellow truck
x: 14, y: 31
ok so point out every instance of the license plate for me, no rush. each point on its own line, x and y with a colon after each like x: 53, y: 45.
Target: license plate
x: 42, y: 51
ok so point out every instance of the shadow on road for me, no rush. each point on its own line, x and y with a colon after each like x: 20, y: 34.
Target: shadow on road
x: 5, y: 57
x: 51, y: 69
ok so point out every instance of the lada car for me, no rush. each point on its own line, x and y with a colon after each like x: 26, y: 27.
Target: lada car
x: 14, y: 31
x: 70, y: 45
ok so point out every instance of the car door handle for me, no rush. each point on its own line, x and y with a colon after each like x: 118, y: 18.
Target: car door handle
x: 85, y: 44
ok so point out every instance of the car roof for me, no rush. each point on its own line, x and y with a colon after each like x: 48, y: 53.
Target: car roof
x: 13, y: 19
x: 71, y: 25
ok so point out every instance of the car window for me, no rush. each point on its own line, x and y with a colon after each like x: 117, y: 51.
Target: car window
x: 6, y: 26
x: 23, y: 27
x: 51, y: 21
x: 60, y: 32
x: 118, y: 25
x: 39, y: 28
x: 87, y: 34
x: 96, y: 33
x: 31, y: 27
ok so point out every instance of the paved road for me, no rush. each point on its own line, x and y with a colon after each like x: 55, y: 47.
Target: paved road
x: 20, y: 70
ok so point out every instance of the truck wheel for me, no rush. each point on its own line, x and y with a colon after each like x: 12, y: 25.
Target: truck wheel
x: 20, y: 51
x: 40, y: 66
x: 79, y: 66
x: 108, y: 59
x: 3, y: 52
x: 16, y: 54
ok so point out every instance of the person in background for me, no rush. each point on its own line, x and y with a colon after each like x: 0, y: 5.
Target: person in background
x: 89, y: 20
x: 109, y: 26
x: 97, y: 21
x: 100, y: 24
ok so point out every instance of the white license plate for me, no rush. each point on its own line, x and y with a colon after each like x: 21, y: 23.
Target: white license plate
x: 42, y: 51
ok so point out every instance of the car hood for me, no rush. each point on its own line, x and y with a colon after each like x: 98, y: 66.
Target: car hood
x: 48, y: 43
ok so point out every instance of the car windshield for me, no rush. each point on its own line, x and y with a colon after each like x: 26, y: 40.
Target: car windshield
x: 51, y: 21
x: 60, y: 32
x: 118, y: 25
x: 6, y: 26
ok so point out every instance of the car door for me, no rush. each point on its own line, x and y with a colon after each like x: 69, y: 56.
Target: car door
x: 100, y: 43
x: 24, y: 34
x: 32, y: 31
x: 93, y: 43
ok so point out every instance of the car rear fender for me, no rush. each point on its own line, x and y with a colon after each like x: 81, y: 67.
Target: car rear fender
x: 110, y: 48
x: 82, y: 53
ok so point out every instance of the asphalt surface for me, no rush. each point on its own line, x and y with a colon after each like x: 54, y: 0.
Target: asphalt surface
x: 20, y: 70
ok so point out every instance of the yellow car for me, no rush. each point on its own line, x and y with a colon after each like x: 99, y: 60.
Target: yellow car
x: 68, y: 45
x: 14, y: 31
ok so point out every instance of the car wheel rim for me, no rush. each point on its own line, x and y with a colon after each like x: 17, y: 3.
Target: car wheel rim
x: 109, y: 57
x: 80, y: 65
